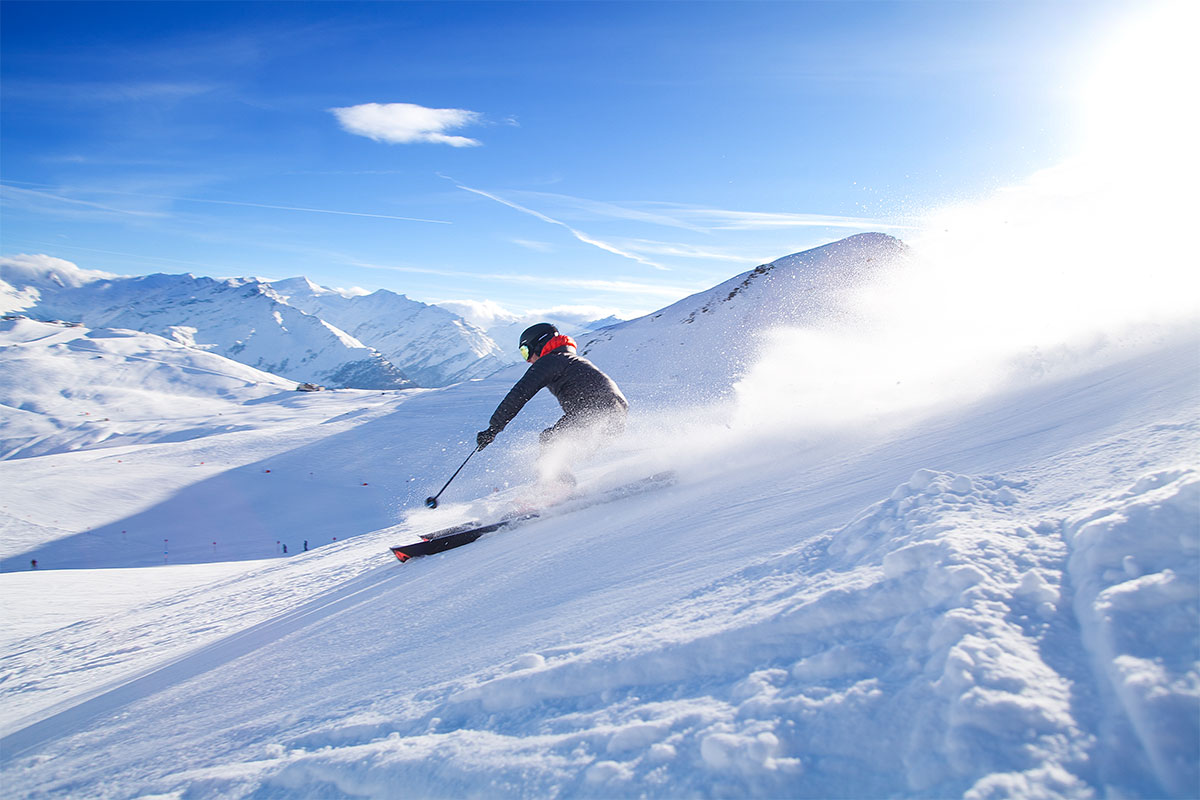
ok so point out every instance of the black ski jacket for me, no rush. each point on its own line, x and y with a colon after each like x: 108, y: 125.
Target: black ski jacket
x: 580, y: 388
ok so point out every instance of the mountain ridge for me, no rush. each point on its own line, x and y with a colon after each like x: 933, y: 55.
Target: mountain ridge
x: 299, y: 330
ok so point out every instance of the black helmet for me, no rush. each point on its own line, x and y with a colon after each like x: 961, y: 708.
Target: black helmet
x: 535, y: 337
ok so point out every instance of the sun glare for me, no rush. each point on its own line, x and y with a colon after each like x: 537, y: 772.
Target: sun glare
x: 1073, y: 264
x: 1140, y: 100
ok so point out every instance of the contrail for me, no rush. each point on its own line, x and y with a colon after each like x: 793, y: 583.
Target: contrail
x: 580, y: 235
x: 301, y: 208
x: 220, y: 202
x: 73, y: 201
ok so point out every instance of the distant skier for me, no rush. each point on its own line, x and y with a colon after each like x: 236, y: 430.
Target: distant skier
x: 593, y: 407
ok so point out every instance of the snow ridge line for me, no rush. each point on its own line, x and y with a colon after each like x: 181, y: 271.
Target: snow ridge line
x: 71, y: 714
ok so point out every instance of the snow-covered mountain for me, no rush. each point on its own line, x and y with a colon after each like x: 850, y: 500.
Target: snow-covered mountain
x: 64, y: 387
x: 293, y: 328
x: 989, y: 596
x: 705, y: 342
x: 505, y: 328
x: 431, y: 345
x: 240, y: 318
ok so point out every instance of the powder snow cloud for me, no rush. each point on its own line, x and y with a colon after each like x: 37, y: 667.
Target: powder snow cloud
x: 406, y: 123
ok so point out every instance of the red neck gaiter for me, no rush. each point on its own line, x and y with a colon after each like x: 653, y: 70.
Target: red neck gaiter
x: 557, y: 342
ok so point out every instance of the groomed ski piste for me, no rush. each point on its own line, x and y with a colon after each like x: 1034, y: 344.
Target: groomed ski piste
x: 952, y: 553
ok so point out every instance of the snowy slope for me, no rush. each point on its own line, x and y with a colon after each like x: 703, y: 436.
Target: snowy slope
x: 65, y: 387
x: 883, y: 571
x: 292, y: 327
x: 241, y: 319
x: 997, y: 601
x: 708, y: 340
x: 431, y: 345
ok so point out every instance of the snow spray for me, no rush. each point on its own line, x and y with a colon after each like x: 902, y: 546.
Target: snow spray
x: 1079, y: 263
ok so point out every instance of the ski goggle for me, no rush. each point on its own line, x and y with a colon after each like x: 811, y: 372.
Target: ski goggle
x: 525, y: 352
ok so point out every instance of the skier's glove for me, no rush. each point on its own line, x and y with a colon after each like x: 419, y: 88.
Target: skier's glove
x: 484, y: 438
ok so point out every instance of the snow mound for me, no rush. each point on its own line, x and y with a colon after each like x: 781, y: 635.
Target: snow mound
x: 1135, y: 563
x: 66, y: 387
x: 913, y: 650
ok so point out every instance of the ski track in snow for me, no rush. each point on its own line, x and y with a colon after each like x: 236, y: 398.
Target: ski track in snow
x: 924, y: 621
x: 950, y: 639
x: 996, y: 598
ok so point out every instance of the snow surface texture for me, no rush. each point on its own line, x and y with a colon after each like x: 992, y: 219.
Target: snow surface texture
x: 996, y: 596
x: 64, y: 387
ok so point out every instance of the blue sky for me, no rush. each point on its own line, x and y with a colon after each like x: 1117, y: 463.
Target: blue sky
x: 614, y: 156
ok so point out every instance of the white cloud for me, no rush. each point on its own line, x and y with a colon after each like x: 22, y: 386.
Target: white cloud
x: 578, y: 315
x: 698, y: 218
x: 47, y: 202
x: 404, y: 123
x: 578, y: 234
x: 722, y: 219
x: 352, y: 291
x: 679, y: 250
x: 625, y: 287
x: 530, y: 244
x: 483, y: 313
x: 9, y: 192
x: 45, y: 271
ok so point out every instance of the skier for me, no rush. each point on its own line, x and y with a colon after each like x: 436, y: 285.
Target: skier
x: 593, y: 407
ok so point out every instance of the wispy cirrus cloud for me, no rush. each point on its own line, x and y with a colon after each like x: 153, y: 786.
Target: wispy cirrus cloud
x: 682, y: 250
x: 93, y: 92
x: 622, y: 287
x: 47, y: 201
x: 63, y: 197
x: 711, y: 226
x: 578, y: 234
x: 533, y: 244
x: 406, y: 123
x: 700, y: 218
x: 660, y: 214
x: 724, y: 219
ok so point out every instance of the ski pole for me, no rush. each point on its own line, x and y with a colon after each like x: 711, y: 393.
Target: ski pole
x: 431, y: 502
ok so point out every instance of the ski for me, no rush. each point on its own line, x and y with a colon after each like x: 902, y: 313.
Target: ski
x: 467, y: 532
x: 457, y: 536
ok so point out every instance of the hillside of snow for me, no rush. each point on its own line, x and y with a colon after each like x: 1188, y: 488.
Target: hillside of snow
x: 431, y: 345
x: 241, y: 319
x: 291, y: 328
x: 901, y: 558
x: 707, y: 341
x: 999, y: 601
x: 64, y: 387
